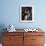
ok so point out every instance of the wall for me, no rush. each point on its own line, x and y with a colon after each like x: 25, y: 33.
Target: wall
x: 10, y: 12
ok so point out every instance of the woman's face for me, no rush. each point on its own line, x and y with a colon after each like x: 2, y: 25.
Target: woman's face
x: 27, y: 11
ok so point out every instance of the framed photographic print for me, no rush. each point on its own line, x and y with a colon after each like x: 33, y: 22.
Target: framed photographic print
x: 26, y: 13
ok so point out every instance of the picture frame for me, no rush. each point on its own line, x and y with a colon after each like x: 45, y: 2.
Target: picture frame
x: 26, y: 13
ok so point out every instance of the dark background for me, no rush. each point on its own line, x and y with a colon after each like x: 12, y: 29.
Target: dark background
x: 23, y: 12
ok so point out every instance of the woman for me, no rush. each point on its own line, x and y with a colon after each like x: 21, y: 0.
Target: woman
x: 27, y: 14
